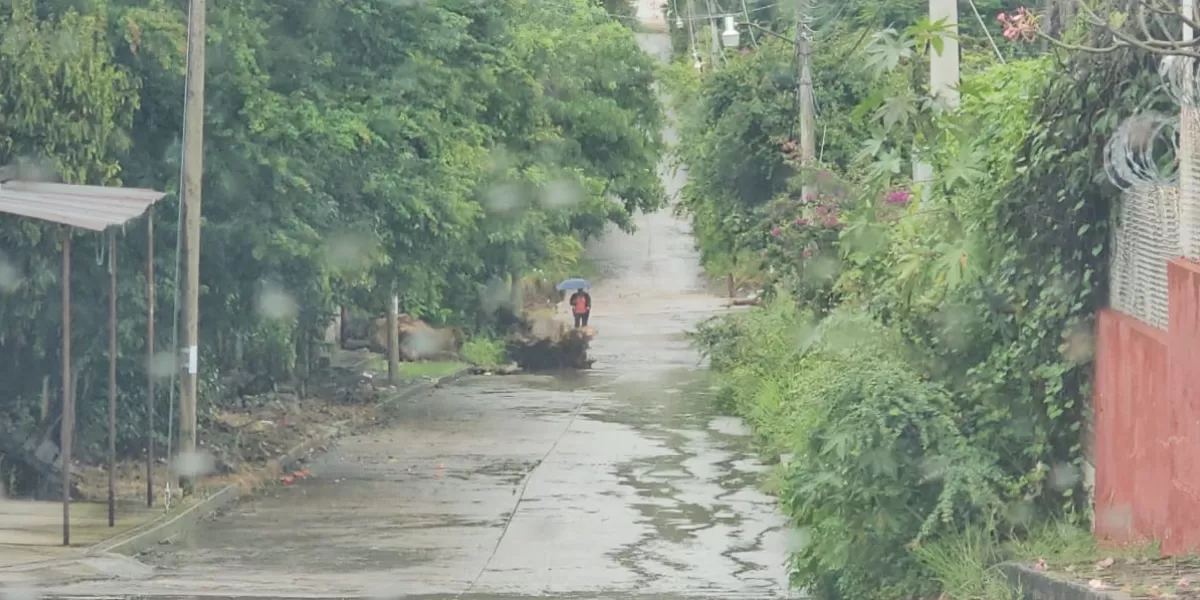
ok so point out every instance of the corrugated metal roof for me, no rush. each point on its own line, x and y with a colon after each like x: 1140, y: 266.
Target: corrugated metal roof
x: 84, y: 206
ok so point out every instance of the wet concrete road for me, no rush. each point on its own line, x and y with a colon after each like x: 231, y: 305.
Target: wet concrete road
x: 621, y: 482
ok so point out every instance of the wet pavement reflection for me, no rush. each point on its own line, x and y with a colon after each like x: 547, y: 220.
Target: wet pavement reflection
x: 624, y: 481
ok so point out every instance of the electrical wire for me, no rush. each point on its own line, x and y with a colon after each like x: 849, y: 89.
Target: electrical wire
x: 689, y: 19
x: 746, y: 12
x: 984, y: 27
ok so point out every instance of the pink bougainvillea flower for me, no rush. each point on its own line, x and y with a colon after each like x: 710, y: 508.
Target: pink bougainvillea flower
x: 1021, y: 25
x: 900, y: 197
x: 777, y: 231
x: 808, y: 253
x: 822, y: 210
x: 801, y: 221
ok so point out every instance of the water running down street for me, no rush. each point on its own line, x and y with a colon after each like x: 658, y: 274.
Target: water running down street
x: 622, y: 482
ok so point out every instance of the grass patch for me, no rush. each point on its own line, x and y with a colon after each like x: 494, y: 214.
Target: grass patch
x: 431, y: 368
x: 1065, y: 544
x: 483, y: 352
x: 967, y: 564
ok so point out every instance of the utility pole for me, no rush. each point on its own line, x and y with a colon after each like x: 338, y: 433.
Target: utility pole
x: 393, y: 340
x: 943, y: 71
x: 193, y: 171
x: 807, y: 110
x: 1189, y: 179
x: 716, y: 33
x: 943, y: 67
x: 691, y: 23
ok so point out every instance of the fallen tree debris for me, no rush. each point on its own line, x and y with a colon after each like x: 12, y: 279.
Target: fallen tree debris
x: 545, y: 344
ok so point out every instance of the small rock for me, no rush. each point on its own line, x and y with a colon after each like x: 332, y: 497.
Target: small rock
x: 1096, y: 584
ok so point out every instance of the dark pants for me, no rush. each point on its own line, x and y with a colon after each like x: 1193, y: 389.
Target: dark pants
x: 582, y: 319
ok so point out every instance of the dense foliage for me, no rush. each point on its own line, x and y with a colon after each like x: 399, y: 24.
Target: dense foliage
x: 441, y: 150
x: 924, y: 360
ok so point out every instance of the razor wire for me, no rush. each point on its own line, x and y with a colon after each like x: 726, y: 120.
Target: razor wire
x: 1151, y: 158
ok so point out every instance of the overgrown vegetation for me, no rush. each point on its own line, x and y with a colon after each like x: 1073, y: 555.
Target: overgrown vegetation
x: 485, y: 353
x: 443, y: 150
x: 924, y: 360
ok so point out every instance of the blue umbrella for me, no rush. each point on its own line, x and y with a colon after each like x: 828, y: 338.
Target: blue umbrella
x: 576, y: 283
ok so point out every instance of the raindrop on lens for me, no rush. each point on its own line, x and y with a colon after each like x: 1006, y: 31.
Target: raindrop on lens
x: 19, y: 592
x: 274, y: 303
x: 10, y: 277
x: 1064, y: 476
x: 193, y: 464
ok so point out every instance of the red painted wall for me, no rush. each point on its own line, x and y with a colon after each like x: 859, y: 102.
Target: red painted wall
x: 1147, y: 429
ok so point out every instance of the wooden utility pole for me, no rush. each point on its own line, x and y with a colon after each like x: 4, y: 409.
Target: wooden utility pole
x: 807, y: 109
x: 150, y: 374
x: 193, y: 171
x: 67, y: 426
x: 112, y: 378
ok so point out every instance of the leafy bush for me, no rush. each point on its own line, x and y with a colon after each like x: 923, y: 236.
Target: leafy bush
x: 978, y: 289
x: 878, y: 459
x: 484, y: 352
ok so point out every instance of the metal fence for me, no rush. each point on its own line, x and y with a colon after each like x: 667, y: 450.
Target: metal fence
x: 1145, y: 237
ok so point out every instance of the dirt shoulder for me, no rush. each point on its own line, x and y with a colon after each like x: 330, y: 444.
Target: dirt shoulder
x: 239, y: 442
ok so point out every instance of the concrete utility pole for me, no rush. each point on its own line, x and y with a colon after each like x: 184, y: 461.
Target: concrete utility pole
x: 393, y: 340
x: 1189, y: 183
x: 715, y: 31
x: 808, y: 124
x: 193, y: 171
x: 943, y: 70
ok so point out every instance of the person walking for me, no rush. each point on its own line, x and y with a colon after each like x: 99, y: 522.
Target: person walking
x: 581, y: 307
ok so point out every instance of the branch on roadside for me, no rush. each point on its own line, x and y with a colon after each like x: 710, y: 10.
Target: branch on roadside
x: 1146, y: 25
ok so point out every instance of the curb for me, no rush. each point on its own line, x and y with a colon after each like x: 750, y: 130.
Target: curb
x: 173, y: 525
x: 1035, y: 585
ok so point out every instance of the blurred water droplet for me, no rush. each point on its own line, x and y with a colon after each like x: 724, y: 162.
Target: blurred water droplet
x: 822, y: 269
x: 955, y: 328
x: 1021, y: 513
x: 1115, y: 519
x: 798, y: 539
x: 380, y: 591
x: 1079, y: 346
x: 503, y: 198
x: 274, y: 303
x: 193, y: 464
x: 350, y: 251
x: 163, y: 365
x: 1064, y: 476
x: 494, y: 296
x: 19, y: 592
x: 563, y: 193
x: 934, y: 468
x: 422, y: 342
x: 10, y: 276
